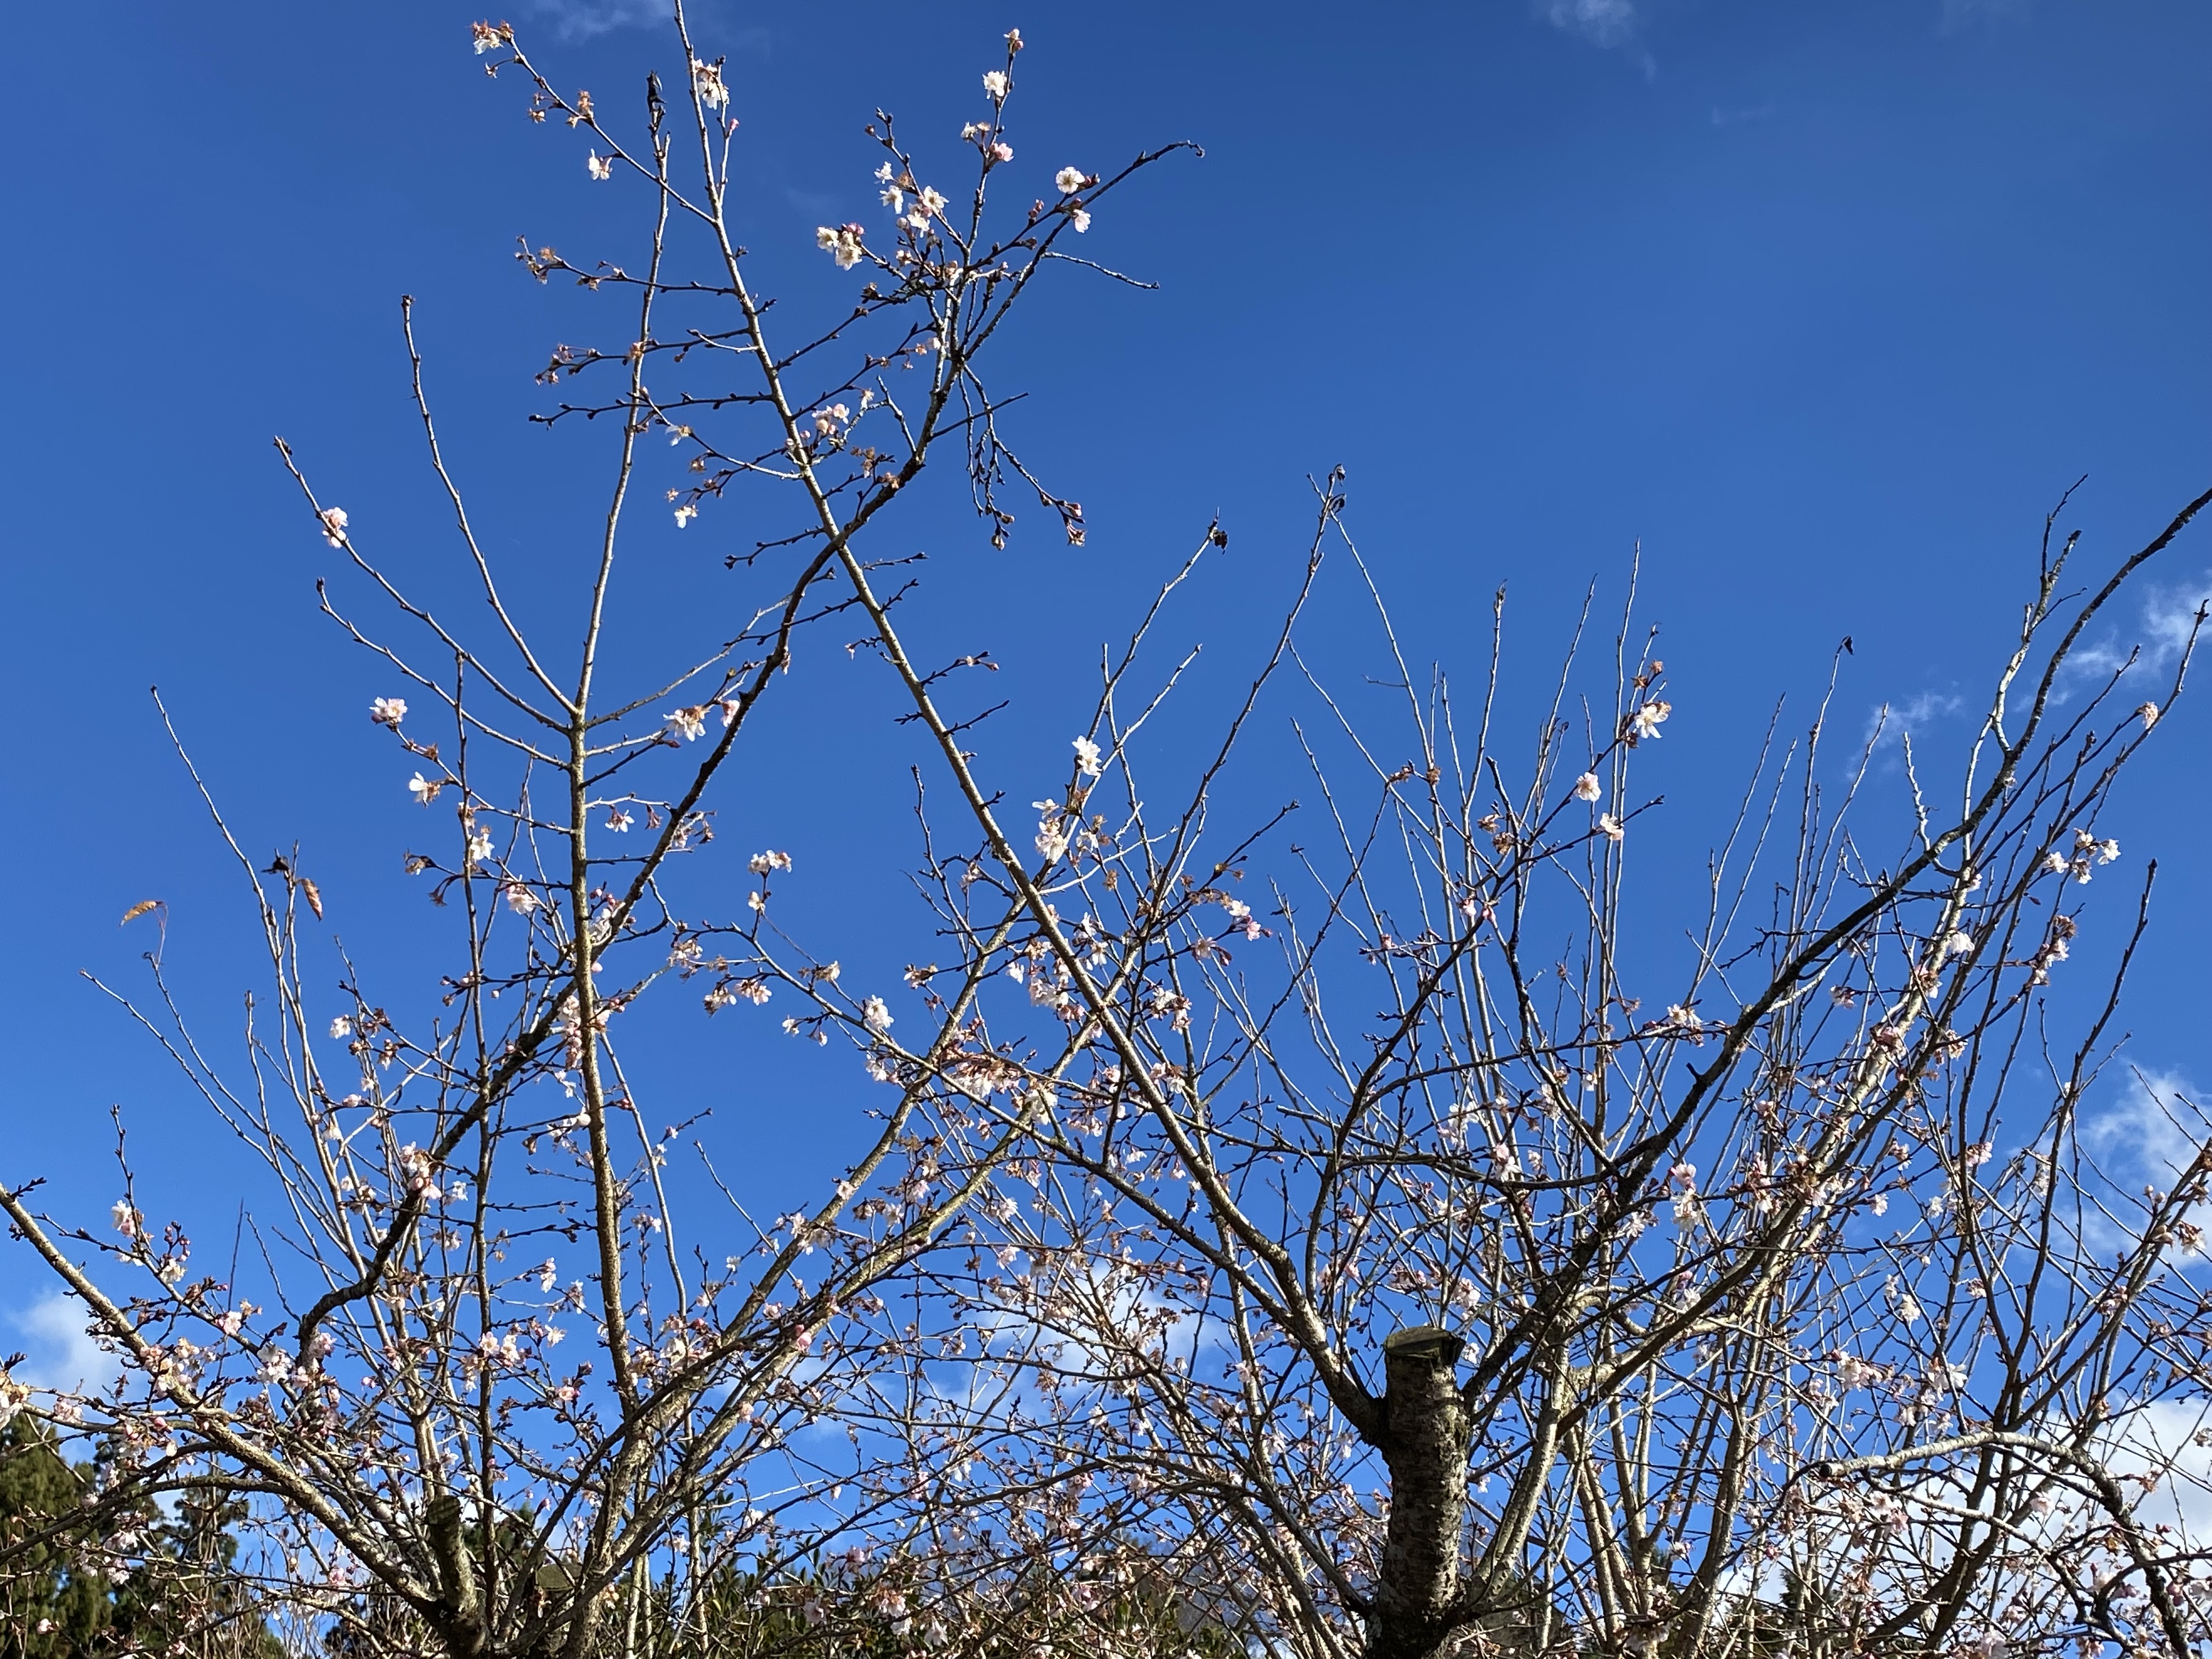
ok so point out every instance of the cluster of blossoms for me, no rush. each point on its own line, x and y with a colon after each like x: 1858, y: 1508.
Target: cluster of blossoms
x: 1679, y: 1021
x: 1052, y: 834
x: 766, y: 864
x: 843, y: 243
x: 707, y: 80
x: 1682, y: 1179
x: 753, y: 989
x: 2053, y: 950
x: 1068, y: 181
x: 2087, y: 850
x: 1641, y: 723
x: 996, y: 86
x: 492, y: 1354
x: 690, y: 724
x: 914, y: 206
x: 1240, y: 916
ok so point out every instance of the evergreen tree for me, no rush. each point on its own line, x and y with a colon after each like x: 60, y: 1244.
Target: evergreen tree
x: 68, y: 1591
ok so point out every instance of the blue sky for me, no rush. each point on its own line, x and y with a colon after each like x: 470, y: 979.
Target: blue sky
x: 1823, y: 303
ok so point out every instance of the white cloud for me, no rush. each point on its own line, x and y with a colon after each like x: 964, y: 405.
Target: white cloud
x: 2168, y: 623
x: 2151, y: 1131
x: 2160, y: 1438
x: 579, y: 19
x: 2145, y: 1137
x: 58, y: 1352
x: 1890, y: 722
x: 583, y: 19
x: 1608, y: 22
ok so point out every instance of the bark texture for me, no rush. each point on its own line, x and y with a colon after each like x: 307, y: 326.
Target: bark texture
x: 1423, y: 1443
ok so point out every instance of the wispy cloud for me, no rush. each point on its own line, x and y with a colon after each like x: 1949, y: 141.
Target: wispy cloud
x: 572, y: 21
x: 581, y: 20
x: 1893, y: 722
x: 2167, y: 625
x: 2150, y: 1131
x: 1957, y: 15
x: 2165, y: 1440
x: 58, y: 1352
x: 1602, y: 23
x: 1606, y: 22
x: 2144, y: 1135
x: 813, y: 203
x: 1728, y: 117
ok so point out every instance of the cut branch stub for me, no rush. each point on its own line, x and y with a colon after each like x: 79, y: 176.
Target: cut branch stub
x: 1424, y: 1442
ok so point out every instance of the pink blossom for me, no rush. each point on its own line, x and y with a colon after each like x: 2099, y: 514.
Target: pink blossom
x: 1646, y: 720
x: 842, y: 243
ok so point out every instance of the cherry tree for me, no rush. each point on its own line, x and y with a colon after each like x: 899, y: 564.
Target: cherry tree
x: 458, y: 1175
x: 1396, y: 1225
x: 1420, y: 1253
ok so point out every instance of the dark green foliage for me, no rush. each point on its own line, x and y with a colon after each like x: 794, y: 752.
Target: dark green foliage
x: 58, y: 1600
x: 49, y: 1607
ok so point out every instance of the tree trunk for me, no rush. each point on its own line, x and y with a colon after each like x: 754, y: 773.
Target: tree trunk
x: 1424, y: 1442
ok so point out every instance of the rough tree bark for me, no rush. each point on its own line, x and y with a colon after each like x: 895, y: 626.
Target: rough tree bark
x: 1422, y: 1441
